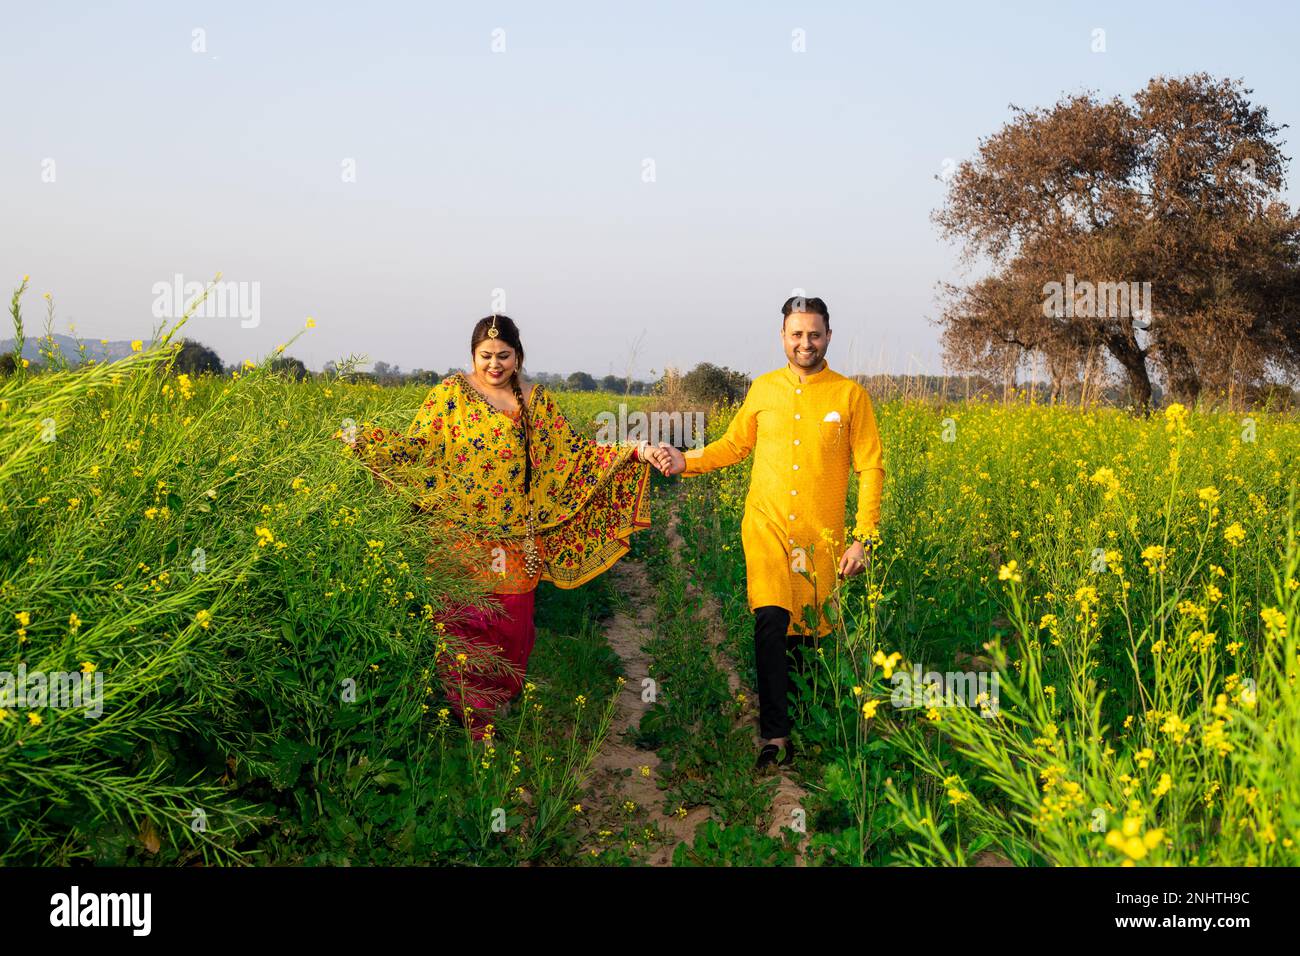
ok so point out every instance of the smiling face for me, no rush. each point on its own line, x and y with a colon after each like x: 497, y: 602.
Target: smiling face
x: 805, y: 339
x: 495, y: 362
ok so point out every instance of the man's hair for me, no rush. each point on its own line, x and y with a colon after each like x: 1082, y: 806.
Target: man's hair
x: 799, y: 303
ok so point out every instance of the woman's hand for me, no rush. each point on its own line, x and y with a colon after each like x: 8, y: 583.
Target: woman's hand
x: 655, y: 456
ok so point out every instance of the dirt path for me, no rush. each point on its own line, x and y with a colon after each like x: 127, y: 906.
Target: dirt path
x: 616, y: 773
x: 789, y: 796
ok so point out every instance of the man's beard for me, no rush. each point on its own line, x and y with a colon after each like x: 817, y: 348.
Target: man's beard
x: 809, y: 360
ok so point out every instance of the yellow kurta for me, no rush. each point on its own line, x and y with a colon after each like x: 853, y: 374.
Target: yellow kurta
x: 804, y: 435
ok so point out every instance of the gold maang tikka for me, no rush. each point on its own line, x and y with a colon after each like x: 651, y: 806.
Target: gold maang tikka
x: 492, y: 332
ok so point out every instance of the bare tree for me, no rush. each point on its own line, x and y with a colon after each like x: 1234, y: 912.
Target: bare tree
x: 1090, y: 199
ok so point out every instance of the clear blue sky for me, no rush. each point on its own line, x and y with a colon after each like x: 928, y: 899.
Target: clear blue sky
x: 522, y: 170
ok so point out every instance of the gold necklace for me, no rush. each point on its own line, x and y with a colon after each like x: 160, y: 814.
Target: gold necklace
x: 483, y: 395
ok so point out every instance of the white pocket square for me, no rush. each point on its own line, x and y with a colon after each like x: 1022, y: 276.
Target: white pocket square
x: 832, y: 417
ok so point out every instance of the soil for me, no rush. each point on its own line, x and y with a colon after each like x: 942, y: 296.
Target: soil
x: 616, y: 774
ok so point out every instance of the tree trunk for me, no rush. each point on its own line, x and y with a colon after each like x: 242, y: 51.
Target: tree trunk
x: 1184, y: 381
x: 1134, y: 362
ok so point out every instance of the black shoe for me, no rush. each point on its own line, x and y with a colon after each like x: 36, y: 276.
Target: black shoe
x: 767, y: 756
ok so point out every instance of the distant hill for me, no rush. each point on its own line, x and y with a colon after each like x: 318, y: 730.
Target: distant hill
x: 68, y: 346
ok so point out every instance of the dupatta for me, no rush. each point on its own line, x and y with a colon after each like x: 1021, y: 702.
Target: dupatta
x: 464, y: 459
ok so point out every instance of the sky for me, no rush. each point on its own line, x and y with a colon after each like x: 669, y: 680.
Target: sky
x: 635, y: 184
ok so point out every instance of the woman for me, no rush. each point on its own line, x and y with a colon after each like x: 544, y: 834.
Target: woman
x: 529, y: 498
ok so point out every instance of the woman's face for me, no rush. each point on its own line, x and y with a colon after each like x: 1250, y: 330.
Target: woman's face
x: 494, y: 361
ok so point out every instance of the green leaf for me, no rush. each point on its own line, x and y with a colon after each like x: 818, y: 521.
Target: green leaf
x: 288, y: 758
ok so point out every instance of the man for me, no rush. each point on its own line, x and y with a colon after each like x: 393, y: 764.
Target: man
x: 805, y: 425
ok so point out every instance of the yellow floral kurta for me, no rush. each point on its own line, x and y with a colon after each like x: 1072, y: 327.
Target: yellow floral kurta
x: 466, y: 458
x: 804, y: 436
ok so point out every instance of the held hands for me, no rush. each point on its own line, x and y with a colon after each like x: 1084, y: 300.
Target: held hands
x: 666, y: 458
x: 655, y: 456
x: 676, y: 460
x: 854, y: 560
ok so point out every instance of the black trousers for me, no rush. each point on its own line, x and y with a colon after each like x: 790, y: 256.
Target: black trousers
x: 776, y: 657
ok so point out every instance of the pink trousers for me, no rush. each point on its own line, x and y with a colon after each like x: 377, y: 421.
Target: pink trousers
x: 496, y: 658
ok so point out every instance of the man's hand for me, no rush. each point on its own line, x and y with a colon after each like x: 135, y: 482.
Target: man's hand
x: 677, y: 461
x: 854, y: 560
x: 655, y: 456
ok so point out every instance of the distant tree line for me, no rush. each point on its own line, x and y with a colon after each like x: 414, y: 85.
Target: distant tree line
x: 707, y: 384
x: 195, y: 358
